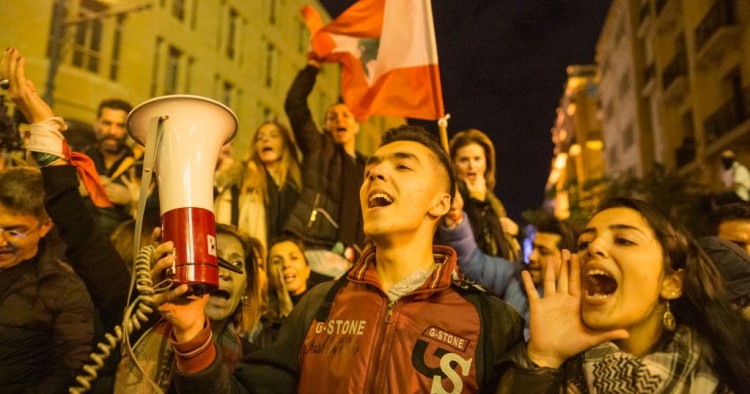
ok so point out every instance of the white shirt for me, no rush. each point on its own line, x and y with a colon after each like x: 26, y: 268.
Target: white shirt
x: 737, y: 179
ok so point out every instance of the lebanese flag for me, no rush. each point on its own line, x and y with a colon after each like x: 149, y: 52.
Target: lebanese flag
x: 388, y: 56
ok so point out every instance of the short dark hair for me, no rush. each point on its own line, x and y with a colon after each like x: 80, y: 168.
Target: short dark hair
x: 421, y: 136
x: 552, y: 225
x: 114, y: 103
x: 22, y: 192
x: 726, y: 213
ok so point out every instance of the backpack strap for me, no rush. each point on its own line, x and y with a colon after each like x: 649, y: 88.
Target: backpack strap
x: 477, y: 295
x: 324, y: 309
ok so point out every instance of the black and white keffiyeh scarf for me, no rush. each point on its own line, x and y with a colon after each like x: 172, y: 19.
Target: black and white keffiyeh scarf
x: 679, y: 367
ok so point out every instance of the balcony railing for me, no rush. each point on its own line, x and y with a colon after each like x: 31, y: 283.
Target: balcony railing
x: 721, y: 14
x: 645, y: 11
x: 649, y: 73
x: 675, y: 69
x: 660, y: 5
x: 730, y: 115
x: 685, y: 153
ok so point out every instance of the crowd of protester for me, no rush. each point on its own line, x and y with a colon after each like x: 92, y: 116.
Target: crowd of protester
x: 339, y: 272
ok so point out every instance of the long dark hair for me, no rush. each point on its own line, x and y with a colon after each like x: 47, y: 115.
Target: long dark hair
x: 288, y: 170
x: 704, y: 307
x: 249, y: 310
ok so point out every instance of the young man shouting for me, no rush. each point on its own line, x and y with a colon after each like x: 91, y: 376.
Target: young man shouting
x: 400, y: 321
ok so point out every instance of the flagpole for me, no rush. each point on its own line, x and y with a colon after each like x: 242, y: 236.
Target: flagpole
x: 443, y: 129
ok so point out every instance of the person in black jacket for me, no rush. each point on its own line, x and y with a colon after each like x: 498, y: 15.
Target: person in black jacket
x: 94, y: 257
x: 45, y: 312
x: 327, y: 215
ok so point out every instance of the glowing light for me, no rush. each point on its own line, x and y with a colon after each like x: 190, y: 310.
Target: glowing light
x: 560, y: 161
x: 574, y: 150
x: 595, y: 144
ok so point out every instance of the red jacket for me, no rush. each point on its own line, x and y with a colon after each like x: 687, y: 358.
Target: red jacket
x: 427, y: 341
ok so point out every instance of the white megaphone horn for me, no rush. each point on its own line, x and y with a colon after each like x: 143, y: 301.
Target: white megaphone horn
x: 187, y: 133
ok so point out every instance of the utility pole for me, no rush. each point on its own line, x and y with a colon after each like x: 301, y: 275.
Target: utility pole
x: 57, y: 36
x: 58, y: 29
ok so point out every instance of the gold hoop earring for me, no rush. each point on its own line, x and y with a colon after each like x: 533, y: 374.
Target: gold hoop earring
x: 669, y: 321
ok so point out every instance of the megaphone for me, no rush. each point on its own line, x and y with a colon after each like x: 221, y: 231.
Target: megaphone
x: 188, y: 132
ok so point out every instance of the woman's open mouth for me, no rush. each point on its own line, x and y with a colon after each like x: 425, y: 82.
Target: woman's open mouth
x: 220, y: 294
x: 598, y: 285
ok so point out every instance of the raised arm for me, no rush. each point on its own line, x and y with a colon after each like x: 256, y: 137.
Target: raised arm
x: 92, y: 255
x: 89, y: 251
x: 305, y: 131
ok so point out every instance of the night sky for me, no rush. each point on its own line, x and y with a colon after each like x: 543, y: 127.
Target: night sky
x: 502, y: 68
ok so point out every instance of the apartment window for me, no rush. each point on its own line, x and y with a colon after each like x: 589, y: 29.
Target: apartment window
x: 87, y: 41
x: 605, y: 65
x: 620, y: 32
x: 733, y: 86
x: 188, y: 74
x: 270, y: 64
x: 155, y: 66
x: 272, y: 11
x: 114, y: 66
x: 219, y: 29
x: 628, y: 137
x: 178, y: 9
x: 688, y: 126
x: 194, y: 14
x: 232, y: 33
x: 613, y: 156
x: 173, y: 71
x: 226, y: 94
x: 625, y: 83
x: 302, y: 38
x: 609, y: 111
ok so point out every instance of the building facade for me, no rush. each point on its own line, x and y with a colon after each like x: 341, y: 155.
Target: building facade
x: 627, y: 131
x: 578, y: 161
x: 688, y: 97
x: 243, y: 53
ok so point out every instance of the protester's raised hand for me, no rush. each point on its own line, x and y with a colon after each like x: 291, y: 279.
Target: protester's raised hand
x: 557, y: 330
x: 456, y: 214
x: 509, y: 226
x: 21, y: 90
x: 477, y: 187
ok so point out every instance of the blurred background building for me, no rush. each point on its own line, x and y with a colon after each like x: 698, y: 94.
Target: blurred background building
x: 243, y: 53
x: 578, y: 162
x: 674, y: 90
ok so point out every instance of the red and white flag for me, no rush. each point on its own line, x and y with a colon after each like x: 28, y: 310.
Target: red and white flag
x: 388, y: 56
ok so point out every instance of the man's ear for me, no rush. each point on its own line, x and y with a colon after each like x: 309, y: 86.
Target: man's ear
x: 441, y: 205
x: 671, y: 285
x: 45, y: 227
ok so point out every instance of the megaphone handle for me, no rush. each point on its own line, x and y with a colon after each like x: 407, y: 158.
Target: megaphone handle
x: 149, y: 159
